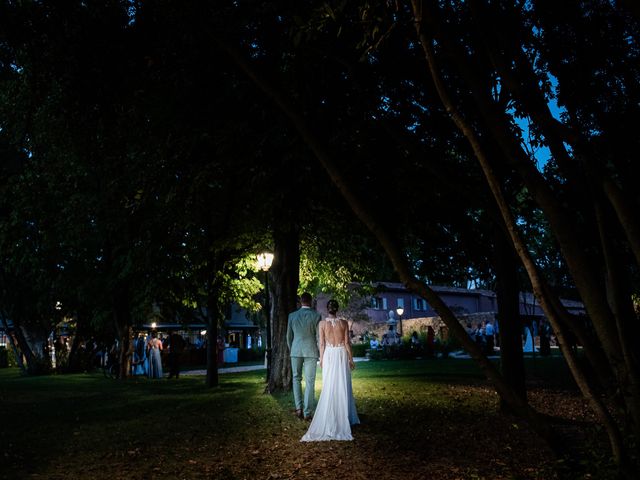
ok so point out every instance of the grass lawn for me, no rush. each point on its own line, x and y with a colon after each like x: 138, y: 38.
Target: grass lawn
x: 420, y: 419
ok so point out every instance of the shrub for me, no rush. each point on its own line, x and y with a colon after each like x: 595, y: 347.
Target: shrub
x: 359, y: 349
x: 250, y: 354
x: 376, y: 354
x: 4, y: 357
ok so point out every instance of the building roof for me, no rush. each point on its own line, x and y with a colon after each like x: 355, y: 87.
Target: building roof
x: 525, y: 297
x: 400, y: 287
x: 530, y: 298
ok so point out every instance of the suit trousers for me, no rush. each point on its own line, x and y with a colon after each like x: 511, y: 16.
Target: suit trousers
x: 304, y: 366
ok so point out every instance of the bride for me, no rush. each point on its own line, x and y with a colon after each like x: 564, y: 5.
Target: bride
x: 336, y: 410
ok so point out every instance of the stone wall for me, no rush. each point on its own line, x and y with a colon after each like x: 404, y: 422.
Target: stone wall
x: 420, y: 325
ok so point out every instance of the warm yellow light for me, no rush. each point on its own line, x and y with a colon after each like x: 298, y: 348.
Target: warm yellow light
x: 400, y: 311
x: 265, y: 259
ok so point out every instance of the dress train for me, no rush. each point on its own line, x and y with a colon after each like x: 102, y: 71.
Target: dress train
x: 336, y: 410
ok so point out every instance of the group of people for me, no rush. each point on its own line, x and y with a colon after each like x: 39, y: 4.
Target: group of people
x: 414, y: 341
x: 311, y: 338
x: 147, y: 355
x: 484, y: 335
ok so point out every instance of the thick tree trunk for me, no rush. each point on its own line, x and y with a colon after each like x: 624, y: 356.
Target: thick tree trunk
x: 510, y: 324
x: 285, y: 273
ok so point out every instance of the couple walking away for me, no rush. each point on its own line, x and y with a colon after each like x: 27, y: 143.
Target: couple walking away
x: 310, y: 338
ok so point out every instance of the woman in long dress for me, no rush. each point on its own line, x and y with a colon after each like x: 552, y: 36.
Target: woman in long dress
x: 336, y: 410
x: 154, y: 347
x: 139, y: 356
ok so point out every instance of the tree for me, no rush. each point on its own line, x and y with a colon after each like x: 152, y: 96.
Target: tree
x: 488, y: 125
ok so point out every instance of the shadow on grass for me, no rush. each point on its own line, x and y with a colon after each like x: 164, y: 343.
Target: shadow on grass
x: 421, y: 412
x: 90, y: 417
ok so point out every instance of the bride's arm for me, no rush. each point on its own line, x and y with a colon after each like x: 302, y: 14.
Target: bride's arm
x: 322, y: 340
x: 347, y: 344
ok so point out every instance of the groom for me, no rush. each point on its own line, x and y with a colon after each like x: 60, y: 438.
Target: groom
x: 302, y: 338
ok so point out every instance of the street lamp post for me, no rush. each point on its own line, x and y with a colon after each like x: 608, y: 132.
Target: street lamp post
x: 265, y: 260
x: 400, y: 311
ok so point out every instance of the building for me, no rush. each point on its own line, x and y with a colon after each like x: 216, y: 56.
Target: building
x: 469, y: 305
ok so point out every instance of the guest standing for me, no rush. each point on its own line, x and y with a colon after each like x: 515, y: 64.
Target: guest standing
x: 154, y: 347
x: 139, y: 356
x: 488, y: 337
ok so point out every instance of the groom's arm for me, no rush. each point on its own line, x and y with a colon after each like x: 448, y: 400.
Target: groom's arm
x: 322, y: 343
x: 347, y: 345
x: 289, y: 334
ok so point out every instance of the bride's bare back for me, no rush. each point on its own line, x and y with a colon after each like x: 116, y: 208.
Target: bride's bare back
x: 334, y: 332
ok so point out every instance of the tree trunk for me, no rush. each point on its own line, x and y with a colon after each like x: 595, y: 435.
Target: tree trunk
x: 285, y: 273
x: 510, y: 324
x: 622, y: 307
x: 626, y: 213
x: 33, y: 349
x: 213, y: 310
x: 74, y: 364
x: 122, y: 320
x: 126, y: 350
x: 14, y: 347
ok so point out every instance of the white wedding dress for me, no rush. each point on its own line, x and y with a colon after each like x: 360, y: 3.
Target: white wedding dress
x: 336, y: 410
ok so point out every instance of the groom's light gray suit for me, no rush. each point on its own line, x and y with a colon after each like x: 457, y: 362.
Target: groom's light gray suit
x: 302, y: 338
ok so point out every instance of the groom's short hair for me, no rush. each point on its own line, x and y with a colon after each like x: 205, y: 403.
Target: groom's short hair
x: 306, y: 298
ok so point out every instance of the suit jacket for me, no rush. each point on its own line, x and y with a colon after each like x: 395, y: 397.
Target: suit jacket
x: 302, y: 333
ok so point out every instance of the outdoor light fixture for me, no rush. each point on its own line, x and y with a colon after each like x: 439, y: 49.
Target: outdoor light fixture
x: 203, y: 332
x: 400, y: 311
x: 153, y: 325
x: 265, y: 259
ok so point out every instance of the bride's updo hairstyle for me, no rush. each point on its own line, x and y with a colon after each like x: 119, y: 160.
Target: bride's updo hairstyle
x: 332, y: 306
